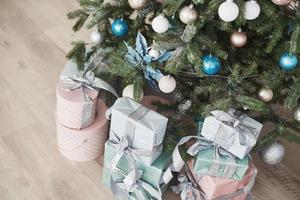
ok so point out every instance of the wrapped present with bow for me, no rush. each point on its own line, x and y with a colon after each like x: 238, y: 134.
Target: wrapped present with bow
x: 234, y: 131
x: 142, y: 129
x: 193, y: 187
x: 218, y: 188
x: 210, y: 159
x: 77, y: 95
x: 134, y: 179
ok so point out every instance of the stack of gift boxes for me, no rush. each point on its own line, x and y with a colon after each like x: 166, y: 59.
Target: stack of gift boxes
x: 134, y: 160
x: 82, y: 127
x: 221, y: 167
x: 135, y: 163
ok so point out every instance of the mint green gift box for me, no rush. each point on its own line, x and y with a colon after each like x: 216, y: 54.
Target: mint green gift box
x: 204, y: 161
x: 152, y: 174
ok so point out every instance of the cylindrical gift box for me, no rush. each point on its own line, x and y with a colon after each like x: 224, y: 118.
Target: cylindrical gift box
x: 73, y: 110
x: 84, y: 144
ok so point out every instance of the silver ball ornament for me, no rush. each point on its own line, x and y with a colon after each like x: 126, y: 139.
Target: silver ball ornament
x: 97, y: 37
x: 188, y: 14
x: 265, y: 94
x: 297, y: 114
x: 273, y: 154
x: 238, y: 39
x: 137, y: 4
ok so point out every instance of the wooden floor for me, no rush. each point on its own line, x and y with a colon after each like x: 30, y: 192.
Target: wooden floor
x: 34, y: 37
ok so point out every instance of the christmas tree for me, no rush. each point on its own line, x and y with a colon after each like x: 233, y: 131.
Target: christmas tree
x: 208, y: 54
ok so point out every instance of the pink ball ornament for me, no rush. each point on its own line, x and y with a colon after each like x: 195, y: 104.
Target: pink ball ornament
x: 281, y: 2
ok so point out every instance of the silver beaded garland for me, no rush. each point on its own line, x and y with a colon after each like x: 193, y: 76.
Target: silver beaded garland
x: 273, y: 154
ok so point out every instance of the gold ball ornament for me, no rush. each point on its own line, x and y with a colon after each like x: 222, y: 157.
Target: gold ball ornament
x: 188, y: 14
x: 281, y: 2
x: 137, y: 4
x: 238, y: 39
x: 297, y: 114
x: 265, y: 94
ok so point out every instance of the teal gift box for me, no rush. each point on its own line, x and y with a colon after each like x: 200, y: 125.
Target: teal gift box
x: 152, y: 174
x: 211, y: 162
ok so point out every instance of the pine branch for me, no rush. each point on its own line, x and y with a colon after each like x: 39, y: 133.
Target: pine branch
x: 77, y: 54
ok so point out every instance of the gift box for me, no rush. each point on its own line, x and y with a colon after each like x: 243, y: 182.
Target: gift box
x: 144, y: 129
x: 75, y: 108
x: 122, y: 161
x: 216, y: 187
x: 84, y: 144
x: 233, y: 131
x: 215, y: 161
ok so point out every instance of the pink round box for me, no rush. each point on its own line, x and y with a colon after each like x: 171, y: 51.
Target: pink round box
x: 72, y: 110
x: 84, y: 144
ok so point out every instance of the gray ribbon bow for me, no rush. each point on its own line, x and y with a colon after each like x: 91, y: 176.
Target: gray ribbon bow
x: 188, y: 189
x: 88, y: 80
x: 132, y: 183
x: 123, y: 147
x: 246, y: 134
x: 203, y: 144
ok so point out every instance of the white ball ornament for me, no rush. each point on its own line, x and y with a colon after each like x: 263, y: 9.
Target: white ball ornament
x: 160, y: 24
x: 252, y: 10
x: 228, y: 11
x: 297, y: 114
x: 128, y: 91
x: 167, y: 84
x: 265, y: 94
x: 137, y: 4
x: 154, y: 53
x: 188, y: 14
x: 273, y: 154
x: 97, y: 37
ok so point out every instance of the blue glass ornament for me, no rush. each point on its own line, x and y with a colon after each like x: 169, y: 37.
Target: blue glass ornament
x: 288, y: 61
x: 119, y: 27
x: 211, y: 64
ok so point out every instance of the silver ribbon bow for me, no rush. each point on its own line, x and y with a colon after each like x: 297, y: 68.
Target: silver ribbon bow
x: 131, y: 186
x: 246, y: 134
x: 188, y: 189
x: 203, y: 144
x: 88, y: 79
x: 123, y: 147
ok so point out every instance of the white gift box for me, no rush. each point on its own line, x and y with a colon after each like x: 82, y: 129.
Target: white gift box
x: 143, y: 128
x: 233, y: 131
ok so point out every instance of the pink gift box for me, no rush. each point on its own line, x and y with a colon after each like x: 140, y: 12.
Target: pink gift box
x: 215, y: 187
x: 72, y: 110
x: 84, y: 144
